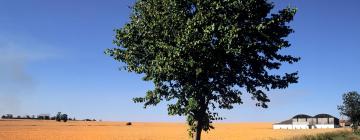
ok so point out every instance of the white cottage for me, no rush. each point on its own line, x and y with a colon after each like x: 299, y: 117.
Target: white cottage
x: 303, y: 121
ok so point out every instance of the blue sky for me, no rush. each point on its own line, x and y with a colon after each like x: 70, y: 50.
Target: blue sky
x: 51, y: 59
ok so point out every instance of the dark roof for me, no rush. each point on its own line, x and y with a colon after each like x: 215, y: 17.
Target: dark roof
x: 323, y: 116
x: 285, y: 122
x: 302, y: 116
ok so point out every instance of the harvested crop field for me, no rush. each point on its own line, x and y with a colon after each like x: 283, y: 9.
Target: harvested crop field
x: 80, y: 130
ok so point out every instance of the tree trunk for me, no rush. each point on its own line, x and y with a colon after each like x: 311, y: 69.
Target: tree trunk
x: 197, y: 135
x: 355, y: 125
x: 199, y: 117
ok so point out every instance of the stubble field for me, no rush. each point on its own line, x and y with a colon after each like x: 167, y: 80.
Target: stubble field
x: 79, y: 130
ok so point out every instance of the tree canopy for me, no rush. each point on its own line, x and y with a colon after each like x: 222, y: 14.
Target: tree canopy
x: 351, y: 108
x: 203, y: 54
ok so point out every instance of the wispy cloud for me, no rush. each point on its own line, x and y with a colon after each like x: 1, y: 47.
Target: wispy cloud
x: 11, y: 51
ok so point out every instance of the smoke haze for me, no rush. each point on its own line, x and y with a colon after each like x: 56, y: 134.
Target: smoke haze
x: 15, y: 81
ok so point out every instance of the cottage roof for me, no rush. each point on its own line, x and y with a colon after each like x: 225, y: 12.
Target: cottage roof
x: 302, y: 116
x: 323, y: 116
x: 285, y: 122
x: 344, y: 121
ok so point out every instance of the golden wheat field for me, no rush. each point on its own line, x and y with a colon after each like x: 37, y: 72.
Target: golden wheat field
x: 80, y: 130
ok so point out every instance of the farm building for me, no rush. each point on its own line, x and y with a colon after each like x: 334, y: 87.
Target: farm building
x: 303, y: 121
x: 345, y: 123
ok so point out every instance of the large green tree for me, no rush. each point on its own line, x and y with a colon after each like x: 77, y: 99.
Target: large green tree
x: 203, y: 54
x: 351, y: 108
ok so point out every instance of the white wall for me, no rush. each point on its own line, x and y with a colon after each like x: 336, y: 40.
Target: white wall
x: 300, y: 126
x: 324, y: 126
x: 290, y: 126
x: 282, y: 126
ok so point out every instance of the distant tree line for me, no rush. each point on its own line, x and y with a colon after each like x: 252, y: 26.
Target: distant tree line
x: 59, y: 117
x: 89, y: 120
x: 63, y: 117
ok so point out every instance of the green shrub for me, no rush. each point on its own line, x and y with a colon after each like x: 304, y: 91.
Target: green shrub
x: 339, y: 135
x: 357, y: 132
